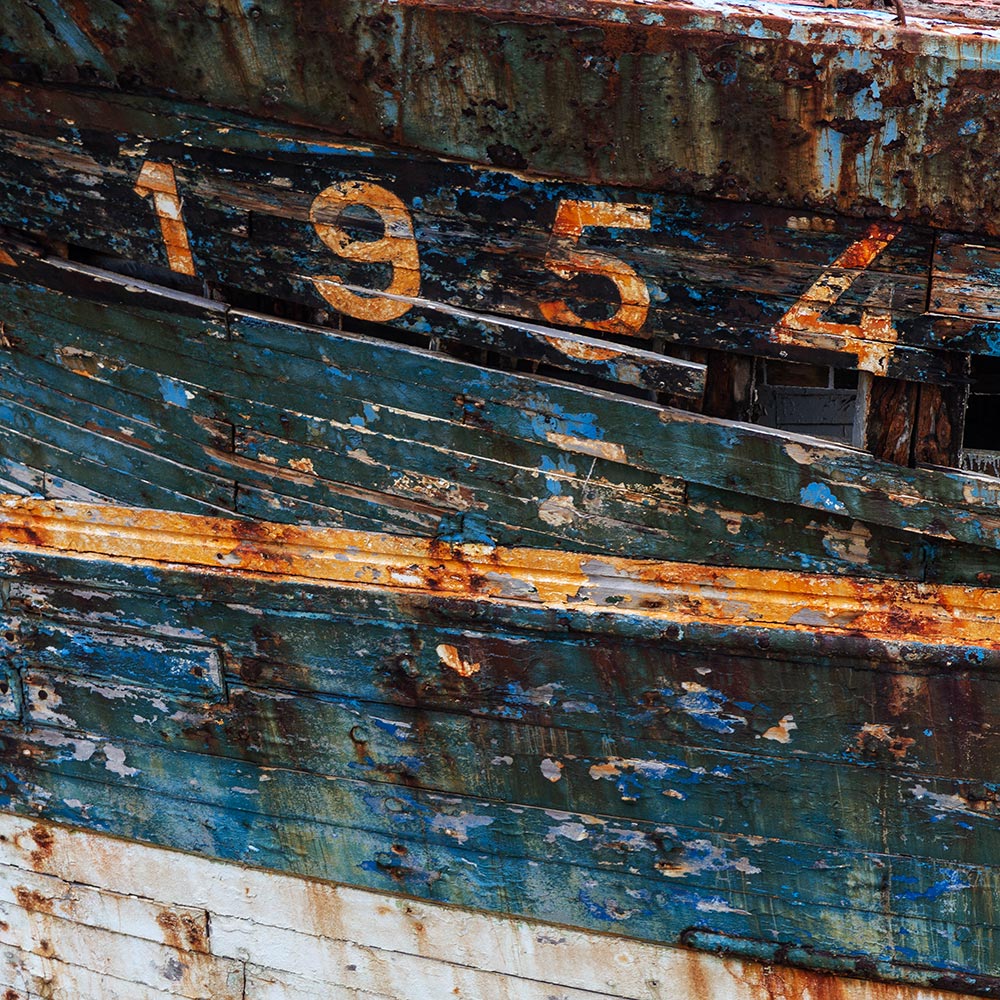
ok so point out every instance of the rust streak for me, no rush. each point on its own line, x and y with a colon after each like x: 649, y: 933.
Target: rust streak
x: 677, y: 592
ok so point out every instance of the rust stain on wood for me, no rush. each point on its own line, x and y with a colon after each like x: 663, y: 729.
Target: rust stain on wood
x: 888, y: 610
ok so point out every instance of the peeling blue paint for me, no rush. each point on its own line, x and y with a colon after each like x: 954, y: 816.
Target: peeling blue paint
x: 820, y: 495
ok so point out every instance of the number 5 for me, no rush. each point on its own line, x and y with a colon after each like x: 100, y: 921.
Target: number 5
x: 572, y: 218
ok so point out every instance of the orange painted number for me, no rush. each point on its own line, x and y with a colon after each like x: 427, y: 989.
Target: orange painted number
x: 872, y: 340
x: 397, y: 247
x: 572, y: 218
x: 157, y: 180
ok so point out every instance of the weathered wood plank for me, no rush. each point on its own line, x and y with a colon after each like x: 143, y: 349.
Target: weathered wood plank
x: 488, y: 242
x: 38, y: 392
x: 67, y: 465
x: 751, y: 873
x: 892, y: 415
x: 837, y: 802
x: 583, y: 91
x: 675, y: 592
x: 965, y: 278
x: 11, y: 696
x: 895, y: 714
x: 181, y: 927
x: 300, y: 963
x: 129, y: 656
x: 28, y: 977
x: 616, y: 966
x: 102, y: 591
x: 311, y: 504
x: 20, y: 479
x: 78, y: 376
x: 126, y: 958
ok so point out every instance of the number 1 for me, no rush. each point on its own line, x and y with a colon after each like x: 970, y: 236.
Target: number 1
x: 157, y: 179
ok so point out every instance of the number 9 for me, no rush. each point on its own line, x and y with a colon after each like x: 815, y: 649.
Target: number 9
x: 397, y: 247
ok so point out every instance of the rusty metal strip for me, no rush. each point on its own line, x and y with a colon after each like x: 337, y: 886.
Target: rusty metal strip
x: 887, y: 611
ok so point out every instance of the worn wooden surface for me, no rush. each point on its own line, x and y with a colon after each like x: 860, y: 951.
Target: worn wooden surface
x: 167, y: 925
x: 557, y: 650
x: 585, y: 741
x: 169, y: 401
x: 482, y: 256
x: 779, y: 102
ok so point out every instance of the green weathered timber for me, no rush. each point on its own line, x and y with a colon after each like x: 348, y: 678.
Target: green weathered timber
x: 498, y: 290
x: 377, y: 424
x: 501, y: 790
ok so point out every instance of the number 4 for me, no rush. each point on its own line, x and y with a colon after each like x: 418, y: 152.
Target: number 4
x: 873, y: 339
x: 572, y: 218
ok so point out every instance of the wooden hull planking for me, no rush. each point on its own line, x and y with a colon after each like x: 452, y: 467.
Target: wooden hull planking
x: 575, y: 756
x: 383, y: 526
x: 761, y: 101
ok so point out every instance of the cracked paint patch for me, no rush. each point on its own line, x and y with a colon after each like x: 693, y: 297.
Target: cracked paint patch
x: 820, y: 495
x: 451, y: 658
x: 552, y: 769
x: 781, y: 733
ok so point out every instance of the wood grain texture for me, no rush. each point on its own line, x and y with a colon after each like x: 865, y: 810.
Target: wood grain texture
x: 817, y: 799
x: 701, y: 95
x: 550, y: 649
x: 513, y: 457
x: 314, y: 937
x: 484, y: 254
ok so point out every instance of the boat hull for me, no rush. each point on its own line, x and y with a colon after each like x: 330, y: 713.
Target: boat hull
x: 599, y: 744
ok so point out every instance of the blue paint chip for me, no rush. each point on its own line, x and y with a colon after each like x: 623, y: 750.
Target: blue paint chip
x: 173, y: 392
x: 465, y: 529
x: 819, y: 495
x: 952, y: 882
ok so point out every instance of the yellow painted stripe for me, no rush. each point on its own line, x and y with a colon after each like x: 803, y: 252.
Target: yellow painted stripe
x: 685, y: 593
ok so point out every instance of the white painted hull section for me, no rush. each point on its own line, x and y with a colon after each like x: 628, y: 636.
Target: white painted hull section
x: 88, y: 917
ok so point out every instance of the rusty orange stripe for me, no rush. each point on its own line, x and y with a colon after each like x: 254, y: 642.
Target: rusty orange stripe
x: 891, y: 611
